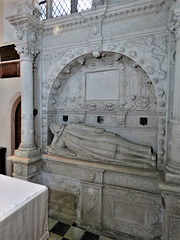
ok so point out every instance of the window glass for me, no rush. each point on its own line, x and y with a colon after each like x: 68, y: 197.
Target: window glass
x: 61, y: 7
x: 42, y: 5
x: 84, y: 5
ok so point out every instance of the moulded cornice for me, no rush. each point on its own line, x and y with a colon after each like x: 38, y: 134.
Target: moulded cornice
x: 28, y: 32
x: 94, y: 13
x: 24, y: 19
x: 75, y: 17
x: 134, y: 8
x: 134, y: 5
x: 123, y: 9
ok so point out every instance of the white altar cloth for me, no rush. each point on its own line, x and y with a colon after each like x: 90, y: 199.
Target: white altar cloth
x: 23, y: 210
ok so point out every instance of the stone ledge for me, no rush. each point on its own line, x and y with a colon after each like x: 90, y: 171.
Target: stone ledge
x: 101, y: 166
x: 24, y: 160
x: 168, y: 187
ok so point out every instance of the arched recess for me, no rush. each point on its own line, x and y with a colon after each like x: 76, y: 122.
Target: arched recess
x: 127, y: 102
x: 64, y: 68
x: 13, y: 112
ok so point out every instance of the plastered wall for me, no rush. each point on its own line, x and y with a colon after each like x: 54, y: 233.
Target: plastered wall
x: 10, y: 88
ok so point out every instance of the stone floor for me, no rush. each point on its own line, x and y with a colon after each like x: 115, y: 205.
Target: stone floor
x: 70, y: 231
x: 64, y: 231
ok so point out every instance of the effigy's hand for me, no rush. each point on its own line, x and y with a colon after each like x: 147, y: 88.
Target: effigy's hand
x: 99, y: 130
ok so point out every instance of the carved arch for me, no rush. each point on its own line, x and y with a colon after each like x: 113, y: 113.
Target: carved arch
x: 153, y: 75
x: 63, y: 68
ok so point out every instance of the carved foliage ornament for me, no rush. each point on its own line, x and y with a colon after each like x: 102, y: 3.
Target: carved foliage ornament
x: 26, y: 51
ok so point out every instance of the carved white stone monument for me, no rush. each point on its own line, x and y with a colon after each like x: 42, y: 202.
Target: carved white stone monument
x: 105, y: 83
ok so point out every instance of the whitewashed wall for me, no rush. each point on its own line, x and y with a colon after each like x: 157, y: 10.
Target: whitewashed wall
x: 10, y: 88
x: 9, y: 92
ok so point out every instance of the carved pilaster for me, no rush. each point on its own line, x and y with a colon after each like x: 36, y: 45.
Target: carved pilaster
x: 173, y: 164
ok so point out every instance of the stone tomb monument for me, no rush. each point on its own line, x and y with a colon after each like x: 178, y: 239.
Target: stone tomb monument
x: 106, y: 87
x: 101, y: 156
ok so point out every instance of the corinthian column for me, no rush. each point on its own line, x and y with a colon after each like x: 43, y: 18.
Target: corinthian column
x: 172, y: 172
x: 27, y: 128
x: 27, y: 158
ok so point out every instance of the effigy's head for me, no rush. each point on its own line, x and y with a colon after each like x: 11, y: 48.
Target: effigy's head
x: 55, y: 128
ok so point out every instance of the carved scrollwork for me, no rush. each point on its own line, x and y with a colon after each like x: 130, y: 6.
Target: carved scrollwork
x: 153, y: 49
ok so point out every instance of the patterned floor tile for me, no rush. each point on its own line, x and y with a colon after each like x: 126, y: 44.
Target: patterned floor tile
x: 60, y: 228
x: 51, y: 223
x: 53, y: 236
x: 76, y: 225
x: 74, y: 233
x: 104, y: 238
x: 89, y: 236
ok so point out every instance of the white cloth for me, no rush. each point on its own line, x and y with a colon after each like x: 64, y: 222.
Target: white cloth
x: 23, y: 210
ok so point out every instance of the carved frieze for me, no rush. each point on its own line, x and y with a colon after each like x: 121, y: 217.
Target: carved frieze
x: 61, y: 183
x: 130, y: 181
x: 79, y: 173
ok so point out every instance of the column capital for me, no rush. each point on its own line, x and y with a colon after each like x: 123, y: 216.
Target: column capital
x: 28, y: 28
x: 26, y: 51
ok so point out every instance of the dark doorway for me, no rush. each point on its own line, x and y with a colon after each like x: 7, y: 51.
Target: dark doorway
x: 18, y: 125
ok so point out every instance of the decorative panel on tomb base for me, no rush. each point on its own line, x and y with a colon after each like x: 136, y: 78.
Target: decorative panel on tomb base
x: 133, y: 212
x: 101, y: 197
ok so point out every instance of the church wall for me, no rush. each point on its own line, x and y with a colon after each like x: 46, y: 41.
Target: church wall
x: 9, y: 33
x: 10, y: 88
x: 9, y: 92
x: 1, y: 21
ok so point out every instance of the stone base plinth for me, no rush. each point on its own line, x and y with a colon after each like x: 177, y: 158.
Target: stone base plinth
x: 111, y: 199
x: 172, y: 173
x: 27, y: 165
x: 171, y: 214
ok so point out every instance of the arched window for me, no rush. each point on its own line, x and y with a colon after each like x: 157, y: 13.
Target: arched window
x: 58, y: 8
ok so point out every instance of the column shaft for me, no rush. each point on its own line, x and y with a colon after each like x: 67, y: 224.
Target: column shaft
x: 27, y: 127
